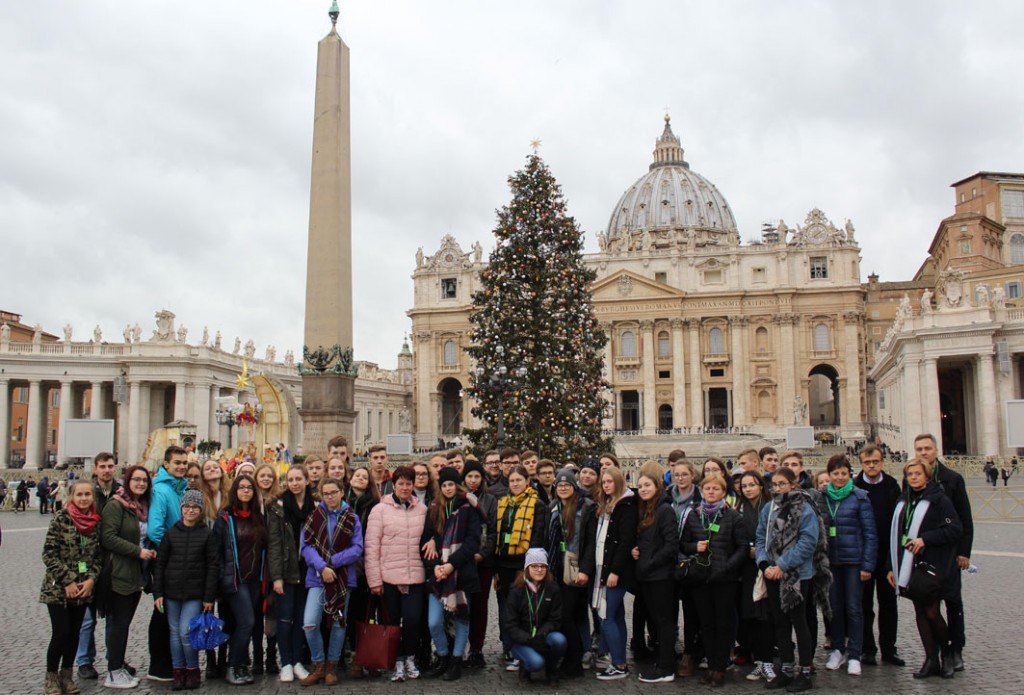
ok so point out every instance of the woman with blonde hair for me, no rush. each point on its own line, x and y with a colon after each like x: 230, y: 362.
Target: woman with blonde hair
x: 267, y: 483
x: 214, y: 485
x: 615, y: 571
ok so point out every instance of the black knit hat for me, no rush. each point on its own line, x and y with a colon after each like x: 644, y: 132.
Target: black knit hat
x: 473, y: 466
x: 449, y: 475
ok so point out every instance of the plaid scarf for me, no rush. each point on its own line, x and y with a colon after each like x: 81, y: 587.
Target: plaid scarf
x: 515, y: 522
x: 454, y: 599
x: 316, y: 530
x: 785, y: 528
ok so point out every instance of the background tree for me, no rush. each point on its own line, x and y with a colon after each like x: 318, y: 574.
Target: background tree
x: 535, y: 311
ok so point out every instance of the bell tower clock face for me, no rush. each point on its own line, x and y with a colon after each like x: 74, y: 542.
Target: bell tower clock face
x: 817, y: 234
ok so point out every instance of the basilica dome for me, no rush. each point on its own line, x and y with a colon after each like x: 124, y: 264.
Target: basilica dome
x: 670, y: 196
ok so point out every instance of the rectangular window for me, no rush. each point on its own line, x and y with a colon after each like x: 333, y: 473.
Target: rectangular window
x: 712, y: 277
x: 21, y: 394
x: 449, y: 288
x: 1013, y: 290
x: 1013, y: 203
x: 664, y: 374
x: 55, y: 399
x: 877, y: 330
x: 819, y: 267
x: 760, y: 275
x: 717, y: 372
x: 661, y: 277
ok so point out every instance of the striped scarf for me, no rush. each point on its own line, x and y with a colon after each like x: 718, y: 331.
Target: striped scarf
x: 454, y: 599
x: 515, y: 522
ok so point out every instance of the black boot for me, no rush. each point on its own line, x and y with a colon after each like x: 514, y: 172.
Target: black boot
x: 272, y: 666
x: 454, y: 671
x: 958, y: 660
x: 930, y: 667
x: 946, y: 669
x: 438, y: 668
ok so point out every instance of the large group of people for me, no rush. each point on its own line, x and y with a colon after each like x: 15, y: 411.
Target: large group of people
x: 750, y: 560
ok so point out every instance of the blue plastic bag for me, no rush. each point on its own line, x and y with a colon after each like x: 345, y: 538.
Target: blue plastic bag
x: 206, y: 631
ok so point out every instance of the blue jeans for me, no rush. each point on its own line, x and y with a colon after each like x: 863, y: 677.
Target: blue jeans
x: 435, y: 619
x: 86, y: 644
x: 179, y: 613
x: 534, y: 661
x: 291, y: 608
x: 846, y: 596
x: 245, y: 606
x: 311, y: 619
x: 613, y: 627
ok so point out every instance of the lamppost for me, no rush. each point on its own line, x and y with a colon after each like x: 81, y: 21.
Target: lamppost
x: 500, y: 382
x: 227, y: 416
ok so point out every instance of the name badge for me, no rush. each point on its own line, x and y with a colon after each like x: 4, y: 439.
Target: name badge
x: 713, y: 528
x: 82, y: 568
x: 533, y: 632
x: 562, y: 546
x: 904, y: 540
x: 832, y: 531
x: 508, y: 538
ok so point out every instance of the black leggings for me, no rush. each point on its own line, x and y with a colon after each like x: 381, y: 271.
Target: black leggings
x: 120, y: 611
x: 716, y: 604
x: 65, y: 624
x: 932, y: 628
x: 406, y: 609
x: 659, y: 599
x: 786, y: 623
x: 574, y: 609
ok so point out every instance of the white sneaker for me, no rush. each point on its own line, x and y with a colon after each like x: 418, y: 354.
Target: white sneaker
x: 757, y: 674
x: 835, y: 660
x: 588, y: 660
x: 853, y: 667
x: 299, y: 670
x: 512, y: 665
x: 287, y: 674
x: 399, y: 675
x: 120, y: 680
x: 410, y: 668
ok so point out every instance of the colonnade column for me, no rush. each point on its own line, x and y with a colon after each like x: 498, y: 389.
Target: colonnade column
x: 145, y: 413
x: 134, y: 421
x: 989, y: 408
x: 740, y: 382
x: 853, y: 413
x: 650, y: 404
x: 696, y: 392
x: 213, y: 427
x: 201, y: 411
x: 65, y: 413
x: 179, y: 400
x: 913, y: 405
x: 34, y: 443
x: 96, y: 401
x: 5, y: 423
x: 931, y: 410
x: 678, y: 375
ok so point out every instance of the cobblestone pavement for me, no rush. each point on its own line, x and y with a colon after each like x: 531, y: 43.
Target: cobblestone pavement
x: 993, y: 625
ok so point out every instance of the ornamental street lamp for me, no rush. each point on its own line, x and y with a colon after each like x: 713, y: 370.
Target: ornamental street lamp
x: 227, y: 416
x: 500, y: 383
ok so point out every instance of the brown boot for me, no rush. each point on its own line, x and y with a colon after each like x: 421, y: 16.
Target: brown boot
x: 687, y: 666
x: 52, y: 684
x: 718, y: 678
x: 67, y: 682
x: 356, y: 671
x: 316, y: 673
x: 331, y: 673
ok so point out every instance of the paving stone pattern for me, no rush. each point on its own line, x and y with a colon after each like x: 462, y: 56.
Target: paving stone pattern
x: 994, y: 619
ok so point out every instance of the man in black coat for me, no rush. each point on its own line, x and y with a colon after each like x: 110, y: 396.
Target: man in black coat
x: 952, y: 484
x: 883, y: 492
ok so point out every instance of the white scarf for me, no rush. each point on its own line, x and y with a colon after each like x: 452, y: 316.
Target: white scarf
x: 905, y: 566
x: 599, y: 600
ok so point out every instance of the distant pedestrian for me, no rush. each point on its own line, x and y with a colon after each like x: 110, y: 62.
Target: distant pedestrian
x: 1006, y: 476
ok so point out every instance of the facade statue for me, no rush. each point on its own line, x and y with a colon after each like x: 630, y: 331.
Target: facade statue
x: 478, y: 252
x: 981, y: 294
x: 238, y: 346
x: 289, y: 358
x: 136, y: 333
x: 926, y: 301
x: 206, y: 335
x: 271, y: 353
x: 182, y: 334
x: 404, y: 421
x: 783, y: 231
x: 998, y: 297
x: 127, y: 333
x: 97, y: 334
x: 419, y: 257
x: 164, y: 332
x: 68, y: 332
x: 849, y: 232
x: 250, y: 349
x: 217, y: 340
x: 602, y: 241
x: 904, y: 310
x: 5, y: 333
x: 799, y: 411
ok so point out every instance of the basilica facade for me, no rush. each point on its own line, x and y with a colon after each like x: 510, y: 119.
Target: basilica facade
x: 704, y: 332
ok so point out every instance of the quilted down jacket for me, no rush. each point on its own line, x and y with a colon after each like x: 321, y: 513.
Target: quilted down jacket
x: 856, y: 541
x: 392, y: 543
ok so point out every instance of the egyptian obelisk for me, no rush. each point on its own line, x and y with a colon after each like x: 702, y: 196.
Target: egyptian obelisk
x: 328, y: 377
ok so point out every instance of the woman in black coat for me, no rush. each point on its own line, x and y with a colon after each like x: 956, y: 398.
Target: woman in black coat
x: 572, y: 527
x: 533, y: 616
x: 925, y: 530
x: 656, y: 554
x: 717, y: 534
x: 755, y: 636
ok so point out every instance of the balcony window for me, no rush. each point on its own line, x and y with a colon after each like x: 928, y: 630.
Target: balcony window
x: 1017, y: 249
x: 716, y: 341
x: 628, y: 344
x: 664, y: 345
x: 822, y: 343
x: 450, y: 356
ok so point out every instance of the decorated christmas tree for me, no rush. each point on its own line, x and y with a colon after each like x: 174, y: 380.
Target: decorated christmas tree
x: 536, y: 342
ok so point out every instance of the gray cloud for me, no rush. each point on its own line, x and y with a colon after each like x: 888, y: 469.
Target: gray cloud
x: 158, y: 155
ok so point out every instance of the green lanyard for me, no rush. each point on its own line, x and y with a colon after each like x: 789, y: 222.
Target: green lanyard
x: 534, y: 612
x: 832, y: 513
x: 448, y: 508
x: 908, y: 516
x: 712, y: 527
x: 507, y: 522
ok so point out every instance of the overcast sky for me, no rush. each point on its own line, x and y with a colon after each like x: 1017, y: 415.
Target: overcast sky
x: 156, y: 154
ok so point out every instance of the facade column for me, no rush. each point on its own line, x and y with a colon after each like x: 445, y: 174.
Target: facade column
x: 989, y: 407
x: 1005, y: 385
x: 678, y: 375
x: 179, y: 400
x: 910, y: 414
x: 96, y: 401
x: 211, y: 406
x: 123, y: 431
x: 853, y: 415
x: 5, y: 424
x: 201, y: 411
x: 740, y: 380
x: 931, y: 410
x: 424, y: 407
x: 36, y: 430
x: 787, y: 372
x: 650, y: 401
x: 697, y: 398
x: 65, y: 413
x: 145, y: 415
x: 134, y: 423
x: 707, y: 409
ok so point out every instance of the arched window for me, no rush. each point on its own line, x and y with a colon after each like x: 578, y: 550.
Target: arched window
x: 664, y: 345
x: 665, y: 417
x: 764, y: 404
x: 451, y: 357
x: 1017, y: 248
x: 761, y: 339
x: 716, y: 341
x: 628, y: 343
x: 821, y: 338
